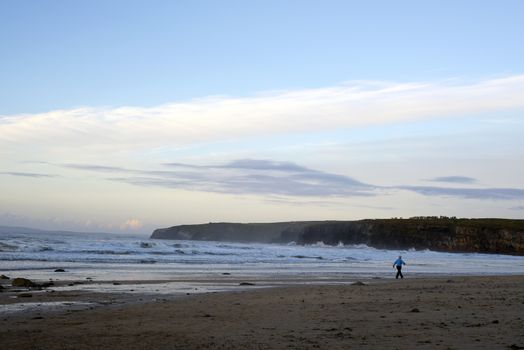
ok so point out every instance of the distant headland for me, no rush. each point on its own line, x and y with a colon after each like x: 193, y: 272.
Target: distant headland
x: 447, y: 234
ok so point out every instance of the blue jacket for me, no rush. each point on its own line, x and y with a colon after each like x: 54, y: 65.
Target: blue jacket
x: 399, y: 262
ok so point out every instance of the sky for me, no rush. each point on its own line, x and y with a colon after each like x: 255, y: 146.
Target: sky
x: 125, y: 116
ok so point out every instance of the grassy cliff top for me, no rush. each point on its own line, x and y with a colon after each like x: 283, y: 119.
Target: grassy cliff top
x: 489, y: 223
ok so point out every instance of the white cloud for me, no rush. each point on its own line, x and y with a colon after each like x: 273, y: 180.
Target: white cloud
x: 131, y: 224
x: 87, y: 130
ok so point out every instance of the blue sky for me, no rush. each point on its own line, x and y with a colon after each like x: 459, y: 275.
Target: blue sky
x: 98, y: 98
x: 63, y: 54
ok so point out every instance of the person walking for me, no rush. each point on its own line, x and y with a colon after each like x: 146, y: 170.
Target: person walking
x: 398, y: 264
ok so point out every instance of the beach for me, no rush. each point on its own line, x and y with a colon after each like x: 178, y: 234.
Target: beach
x: 421, y: 313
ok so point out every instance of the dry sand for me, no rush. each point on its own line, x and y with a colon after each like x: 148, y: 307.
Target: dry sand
x: 456, y: 313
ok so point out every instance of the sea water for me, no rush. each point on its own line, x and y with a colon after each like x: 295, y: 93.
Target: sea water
x: 138, y: 258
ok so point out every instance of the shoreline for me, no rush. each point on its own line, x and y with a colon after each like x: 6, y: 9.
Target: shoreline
x: 456, y: 312
x: 133, y: 290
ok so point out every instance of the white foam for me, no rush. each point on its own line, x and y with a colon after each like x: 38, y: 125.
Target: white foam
x: 132, y: 258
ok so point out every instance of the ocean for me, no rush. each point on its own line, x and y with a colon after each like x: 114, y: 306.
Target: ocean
x: 128, y: 258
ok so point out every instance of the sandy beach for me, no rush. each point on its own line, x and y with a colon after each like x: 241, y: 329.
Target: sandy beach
x: 443, y: 313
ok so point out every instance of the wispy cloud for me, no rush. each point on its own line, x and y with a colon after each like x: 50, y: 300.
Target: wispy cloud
x: 24, y: 174
x: 94, y: 167
x: 249, y: 176
x: 454, y: 179
x: 470, y: 193
x: 278, y: 167
x: 249, y: 164
x: 224, y: 118
x: 274, y: 178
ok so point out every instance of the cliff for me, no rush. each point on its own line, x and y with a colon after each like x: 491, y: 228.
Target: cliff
x: 436, y: 233
x: 440, y: 234
x: 277, y: 232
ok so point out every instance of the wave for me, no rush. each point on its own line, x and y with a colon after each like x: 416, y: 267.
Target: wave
x: 196, y: 252
x: 318, y: 244
x: 266, y: 257
x: 4, y: 247
x: 146, y: 244
x: 307, y: 257
x: 180, y: 245
x: 102, y: 252
x: 234, y: 247
x: 176, y: 252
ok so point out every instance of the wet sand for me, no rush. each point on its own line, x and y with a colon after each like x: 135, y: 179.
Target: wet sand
x: 436, y: 313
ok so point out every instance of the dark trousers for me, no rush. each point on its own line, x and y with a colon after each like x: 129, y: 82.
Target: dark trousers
x: 399, y: 271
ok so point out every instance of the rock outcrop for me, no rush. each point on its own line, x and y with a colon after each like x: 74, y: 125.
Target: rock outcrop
x: 440, y: 234
x: 502, y: 236
x: 23, y: 282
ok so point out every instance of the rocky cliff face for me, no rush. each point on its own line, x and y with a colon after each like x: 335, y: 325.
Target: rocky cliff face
x: 441, y: 234
x: 451, y: 235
